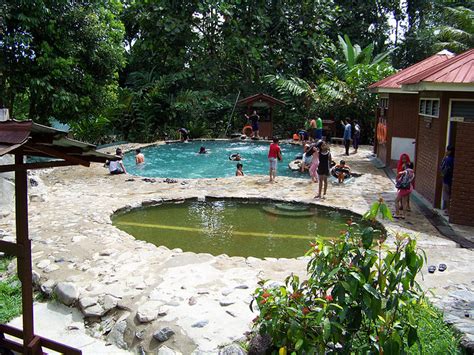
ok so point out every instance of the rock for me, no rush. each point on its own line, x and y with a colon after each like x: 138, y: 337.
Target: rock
x: 116, y: 335
x: 43, y: 263
x: 48, y: 287
x: 227, y: 291
x: 241, y: 287
x: 163, y: 334
x: 463, y: 295
x: 51, y: 268
x: 85, y: 302
x: 67, y: 293
x: 94, y: 311
x: 232, y: 349
x: 148, y: 312
x: 163, y: 311
x: 200, y: 324
x: 107, y: 252
x: 260, y: 344
x: 226, y: 302
x: 273, y: 284
x: 164, y: 350
x: 110, y: 302
x: 192, y: 301
x: 231, y: 313
x: 36, y: 278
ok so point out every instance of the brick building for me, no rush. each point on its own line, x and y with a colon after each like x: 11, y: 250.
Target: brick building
x: 435, y: 106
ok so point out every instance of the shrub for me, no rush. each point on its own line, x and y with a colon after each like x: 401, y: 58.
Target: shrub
x: 354, y: 299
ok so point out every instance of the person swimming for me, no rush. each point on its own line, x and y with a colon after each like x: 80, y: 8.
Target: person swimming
x: 235, y: 157
x: 202, y: 150
x: 139, y: 157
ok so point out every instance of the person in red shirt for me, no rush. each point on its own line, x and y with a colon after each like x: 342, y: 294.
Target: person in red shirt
x: 274, y: 154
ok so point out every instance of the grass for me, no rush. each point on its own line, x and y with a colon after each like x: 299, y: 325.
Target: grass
x: 10, y: 293
x: 436, y: 337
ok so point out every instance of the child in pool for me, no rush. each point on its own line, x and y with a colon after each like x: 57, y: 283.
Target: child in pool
x: 239, y: 171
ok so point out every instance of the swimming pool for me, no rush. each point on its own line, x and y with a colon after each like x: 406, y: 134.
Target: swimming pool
x: 236, y: 227
x: 180, y: 160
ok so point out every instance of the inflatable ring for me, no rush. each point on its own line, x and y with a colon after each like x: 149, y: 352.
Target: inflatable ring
x: 247, y: 130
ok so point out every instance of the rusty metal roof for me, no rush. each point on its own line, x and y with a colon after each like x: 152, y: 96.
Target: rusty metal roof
x: 394, y: 81
x: 456, y: 70
x: 34, y: 139
x: 260, y: 97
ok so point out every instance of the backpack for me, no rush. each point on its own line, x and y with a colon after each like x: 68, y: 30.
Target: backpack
x: 404, y: 182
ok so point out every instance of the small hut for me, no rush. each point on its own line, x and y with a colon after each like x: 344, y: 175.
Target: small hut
x: 21, y: 140
x: 263, y: 104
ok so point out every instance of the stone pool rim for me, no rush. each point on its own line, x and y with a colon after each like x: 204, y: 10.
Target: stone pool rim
x: 158, y: 202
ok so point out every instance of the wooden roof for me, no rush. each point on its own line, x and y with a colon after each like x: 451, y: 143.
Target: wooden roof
x: 259, y: 98
x: 32, y: 139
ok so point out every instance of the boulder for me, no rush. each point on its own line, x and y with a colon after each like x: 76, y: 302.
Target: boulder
x: 163, y: 334
x: 85, y: 302
x: 232, y: 349
x: 148, y: 311
x: 116, y: 335
x: 94, y: 311
x: 260, y: 344
x: 67, y: 293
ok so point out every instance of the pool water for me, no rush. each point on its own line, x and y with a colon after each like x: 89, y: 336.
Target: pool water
x: 180, y: 160
x: 235, y: 228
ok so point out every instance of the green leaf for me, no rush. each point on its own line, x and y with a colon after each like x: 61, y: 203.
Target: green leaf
x: 371, y: 290
x: 298, y: 344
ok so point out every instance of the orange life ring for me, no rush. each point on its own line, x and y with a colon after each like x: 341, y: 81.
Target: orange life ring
x: 381, y: 133
x: 296, y: 137
x: 247, y: 130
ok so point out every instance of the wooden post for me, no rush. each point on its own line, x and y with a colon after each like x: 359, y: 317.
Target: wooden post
x: 24, y: 260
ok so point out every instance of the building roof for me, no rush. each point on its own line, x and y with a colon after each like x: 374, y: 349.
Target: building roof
x: 259, y: 98
x: 456, y: 72
x: 392, y: 82
x: 32, y: 139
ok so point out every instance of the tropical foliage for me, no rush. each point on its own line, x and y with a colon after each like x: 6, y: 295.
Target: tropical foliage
x: 137, y: 70
x: 358, y: 297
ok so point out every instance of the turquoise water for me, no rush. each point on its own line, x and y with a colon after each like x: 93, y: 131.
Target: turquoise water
x: 180, y: 160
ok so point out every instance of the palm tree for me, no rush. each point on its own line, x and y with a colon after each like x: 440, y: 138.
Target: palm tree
x: 457, y: 32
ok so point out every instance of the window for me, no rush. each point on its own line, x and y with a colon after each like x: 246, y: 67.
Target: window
x: 383, y: 102
x: 429, y: 107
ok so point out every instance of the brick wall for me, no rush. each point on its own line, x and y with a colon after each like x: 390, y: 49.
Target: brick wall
x: 462, y: 196
x: 427, y: 167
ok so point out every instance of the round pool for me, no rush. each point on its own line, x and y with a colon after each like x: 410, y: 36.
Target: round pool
x: 236, y: 227
x: 180, y: 160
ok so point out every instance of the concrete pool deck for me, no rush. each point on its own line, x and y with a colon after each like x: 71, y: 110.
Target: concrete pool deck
x: 129, y: 290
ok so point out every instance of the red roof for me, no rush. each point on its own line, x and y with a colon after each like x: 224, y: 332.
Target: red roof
x: 393, y: 81
x: 456, y: 70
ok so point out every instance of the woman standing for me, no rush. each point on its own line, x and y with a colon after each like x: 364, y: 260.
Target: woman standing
x: 323, y: 169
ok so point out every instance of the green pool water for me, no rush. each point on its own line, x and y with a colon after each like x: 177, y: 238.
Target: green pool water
x: 235, y: 228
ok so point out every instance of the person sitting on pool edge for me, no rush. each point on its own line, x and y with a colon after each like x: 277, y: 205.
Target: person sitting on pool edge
x: 116, y: 166
x: 139, y: 157
x: 239, y: 171
x: 341, y: 171
x: 183, y: 134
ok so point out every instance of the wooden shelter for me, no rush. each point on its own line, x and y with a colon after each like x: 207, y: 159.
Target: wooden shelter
x: 23, y: 139
x: 263, y: 104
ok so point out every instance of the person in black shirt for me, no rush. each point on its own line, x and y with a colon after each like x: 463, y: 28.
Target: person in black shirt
x: 253, y: 118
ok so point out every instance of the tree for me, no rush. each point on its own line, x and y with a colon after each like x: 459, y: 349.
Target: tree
x: 61, y: 57
x: 456, y: 32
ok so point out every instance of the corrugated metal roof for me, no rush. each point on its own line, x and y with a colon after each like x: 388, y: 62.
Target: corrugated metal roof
x: 456, y: 70
x: 38, y: 140
x: 393, y: 81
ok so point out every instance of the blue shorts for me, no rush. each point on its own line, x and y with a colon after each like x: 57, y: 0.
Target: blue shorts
x: 255, y: 126
x: 319, y: 133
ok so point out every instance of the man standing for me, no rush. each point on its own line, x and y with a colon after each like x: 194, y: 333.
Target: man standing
x: 319, y: 129
x: 254, y: 118
x: 347, y: 133
x: 447, y: 168
x: 312, y: 129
